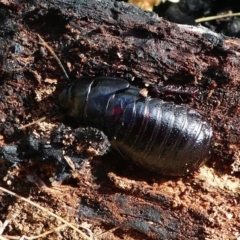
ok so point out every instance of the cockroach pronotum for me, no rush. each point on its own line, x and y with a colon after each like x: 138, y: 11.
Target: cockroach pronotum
x: 164, y: 137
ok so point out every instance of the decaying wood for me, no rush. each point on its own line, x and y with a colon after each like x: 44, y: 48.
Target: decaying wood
x: 95, y: 38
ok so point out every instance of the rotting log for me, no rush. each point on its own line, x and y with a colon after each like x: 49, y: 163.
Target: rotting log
x: 95, y: 38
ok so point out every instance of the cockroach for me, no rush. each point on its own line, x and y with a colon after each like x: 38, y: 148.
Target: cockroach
x: 164, y: 137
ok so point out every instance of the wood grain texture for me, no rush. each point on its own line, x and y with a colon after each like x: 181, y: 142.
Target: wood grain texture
x: 94, y: 38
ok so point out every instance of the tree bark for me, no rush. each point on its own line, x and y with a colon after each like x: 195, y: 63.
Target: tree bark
x: 94, y: 38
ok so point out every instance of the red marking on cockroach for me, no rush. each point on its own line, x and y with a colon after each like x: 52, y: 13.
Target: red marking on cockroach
x: 117, y: 112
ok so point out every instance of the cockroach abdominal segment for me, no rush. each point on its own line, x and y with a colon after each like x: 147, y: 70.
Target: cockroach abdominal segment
x: 164, y: 137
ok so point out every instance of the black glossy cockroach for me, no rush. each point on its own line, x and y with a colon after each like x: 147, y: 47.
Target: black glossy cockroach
x: 164, y: 137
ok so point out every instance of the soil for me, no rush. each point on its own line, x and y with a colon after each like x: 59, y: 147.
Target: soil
x: 69, y: 169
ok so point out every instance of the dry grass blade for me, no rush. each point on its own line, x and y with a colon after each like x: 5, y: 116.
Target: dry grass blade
x: 83, y: 235
x: 4, y: 225
x: 34, y: 237
x: 3, y: 238
x: 63, y: 69
x: 109, y: 231
x: 46, y: 233
x: 55, y: 56
x: 212, y: 18
x: 32, y: 123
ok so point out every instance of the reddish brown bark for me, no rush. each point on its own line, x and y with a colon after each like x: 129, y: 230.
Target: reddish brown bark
x: 106, y: 38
